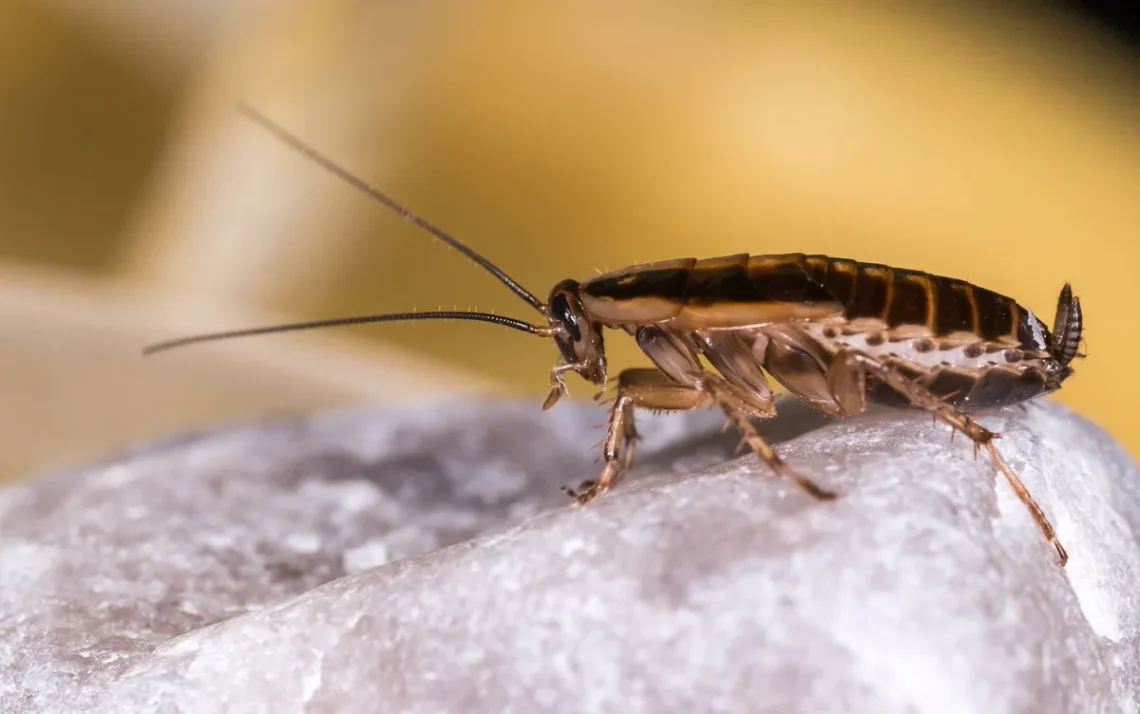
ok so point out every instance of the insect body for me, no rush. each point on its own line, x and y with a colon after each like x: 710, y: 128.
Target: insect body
x: 836, y: 333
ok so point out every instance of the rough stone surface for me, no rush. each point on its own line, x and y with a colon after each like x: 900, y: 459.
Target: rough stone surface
x: 424, y: 561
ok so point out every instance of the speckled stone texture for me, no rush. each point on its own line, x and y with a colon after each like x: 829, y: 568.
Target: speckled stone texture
x: 425, y: 561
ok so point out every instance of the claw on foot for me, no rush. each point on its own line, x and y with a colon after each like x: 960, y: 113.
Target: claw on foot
x: 1062, y: 554
x: 586, y: 492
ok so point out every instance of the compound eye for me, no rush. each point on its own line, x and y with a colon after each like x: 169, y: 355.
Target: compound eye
x: 560, y: 306
x: 567, y: 350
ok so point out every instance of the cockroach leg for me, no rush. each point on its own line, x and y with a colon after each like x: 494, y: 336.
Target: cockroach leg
x: 652, y: 389
x: 739, y: 417
x: 646, y: 388
x: 981, y: 436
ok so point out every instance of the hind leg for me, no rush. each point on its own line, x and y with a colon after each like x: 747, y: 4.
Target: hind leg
x: 850, y: 366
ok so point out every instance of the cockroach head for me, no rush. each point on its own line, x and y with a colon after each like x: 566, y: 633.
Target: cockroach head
x: 578, y: 339
x: 1068, y: 326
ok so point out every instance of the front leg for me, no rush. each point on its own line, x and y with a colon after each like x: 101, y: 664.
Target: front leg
x: 848, y: 369
x: 646, y: 388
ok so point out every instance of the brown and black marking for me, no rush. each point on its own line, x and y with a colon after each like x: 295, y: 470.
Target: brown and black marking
x: 911, y: 310
x: 837, y: 333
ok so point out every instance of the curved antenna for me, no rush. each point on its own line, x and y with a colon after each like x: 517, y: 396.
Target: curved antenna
x: 369, y: 190
x: 356, y: 320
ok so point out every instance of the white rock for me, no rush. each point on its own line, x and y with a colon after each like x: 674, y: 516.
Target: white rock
x: 425, y: 561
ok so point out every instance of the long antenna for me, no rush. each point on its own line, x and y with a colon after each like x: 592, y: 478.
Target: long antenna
x: 356, y: 320
x: 363, y: 186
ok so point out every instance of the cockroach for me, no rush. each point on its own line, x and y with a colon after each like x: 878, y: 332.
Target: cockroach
x: 836, y: 333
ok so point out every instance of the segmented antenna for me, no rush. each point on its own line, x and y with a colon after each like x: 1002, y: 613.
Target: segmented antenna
x: 369, y: 190
x: 355, y: 320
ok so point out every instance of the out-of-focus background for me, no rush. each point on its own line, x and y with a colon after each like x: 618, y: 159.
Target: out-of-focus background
x: 997, y: 142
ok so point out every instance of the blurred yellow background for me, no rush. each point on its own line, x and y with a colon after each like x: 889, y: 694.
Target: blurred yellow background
x: 993, y: 142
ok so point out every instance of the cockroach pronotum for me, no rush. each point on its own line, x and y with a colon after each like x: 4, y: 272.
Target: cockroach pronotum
x: 837, y: 333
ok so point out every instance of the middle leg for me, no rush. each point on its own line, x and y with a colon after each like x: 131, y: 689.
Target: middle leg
x: 738, y: 415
